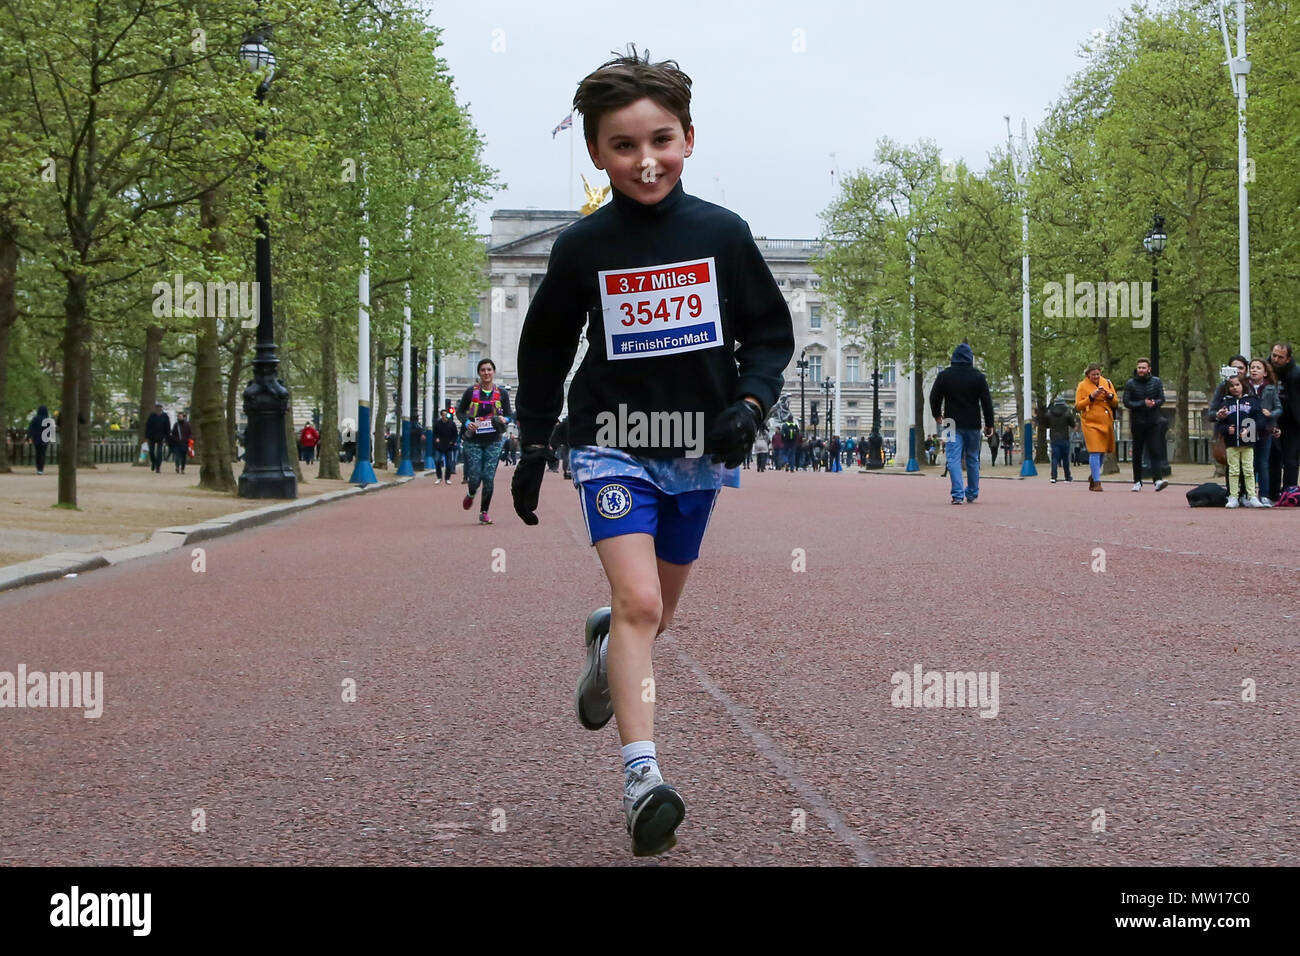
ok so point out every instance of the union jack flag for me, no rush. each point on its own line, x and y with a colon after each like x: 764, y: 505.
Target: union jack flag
x: 564, y: 124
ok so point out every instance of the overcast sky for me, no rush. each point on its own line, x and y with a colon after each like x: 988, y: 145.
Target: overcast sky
x: 778, y: 86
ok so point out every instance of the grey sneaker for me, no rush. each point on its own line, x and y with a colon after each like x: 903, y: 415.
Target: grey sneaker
x: 654, y: 811
x: 592, y: 700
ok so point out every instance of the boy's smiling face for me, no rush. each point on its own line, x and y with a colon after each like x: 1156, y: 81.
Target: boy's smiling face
x: 643, y: 148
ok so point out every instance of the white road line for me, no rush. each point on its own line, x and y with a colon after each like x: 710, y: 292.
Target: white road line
x: 765, y: 746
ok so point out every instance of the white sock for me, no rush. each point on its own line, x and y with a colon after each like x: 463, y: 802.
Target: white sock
x: 639, y: 753
x: 604, y: 647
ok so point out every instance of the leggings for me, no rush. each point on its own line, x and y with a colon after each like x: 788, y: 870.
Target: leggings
x: 481, y: 466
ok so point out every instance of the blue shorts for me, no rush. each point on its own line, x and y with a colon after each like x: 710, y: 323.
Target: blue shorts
x: 615, y: 506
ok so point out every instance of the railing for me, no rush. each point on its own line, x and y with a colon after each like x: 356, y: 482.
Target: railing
x: 1198, y: 450
x: 793, y: 245
x: 106, y: 451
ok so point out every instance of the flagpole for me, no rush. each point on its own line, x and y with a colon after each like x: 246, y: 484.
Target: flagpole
x: 571, y: 137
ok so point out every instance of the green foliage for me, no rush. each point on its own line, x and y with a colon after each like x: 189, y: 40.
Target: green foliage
x: 1148, y: 124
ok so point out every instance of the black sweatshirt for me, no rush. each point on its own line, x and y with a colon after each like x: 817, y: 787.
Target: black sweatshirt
x: 662, y: 309
x: 961, y: 391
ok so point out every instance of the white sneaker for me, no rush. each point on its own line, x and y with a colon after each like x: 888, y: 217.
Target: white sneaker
x: 1137, y: 486
x: 1253, y: 502
x: 1233, y: 503
x: 1161, y: 484
x: 654, y: 811
x: 1265, y: 503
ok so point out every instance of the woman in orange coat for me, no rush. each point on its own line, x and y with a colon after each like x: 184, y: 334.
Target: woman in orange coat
x: 1096, y: 401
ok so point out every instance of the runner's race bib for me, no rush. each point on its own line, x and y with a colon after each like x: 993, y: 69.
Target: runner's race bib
x: 661, y: 310
x: 483, y: 425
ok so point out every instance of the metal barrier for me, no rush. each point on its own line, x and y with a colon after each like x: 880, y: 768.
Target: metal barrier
x: 1198, y: 447
x: 108, y: 451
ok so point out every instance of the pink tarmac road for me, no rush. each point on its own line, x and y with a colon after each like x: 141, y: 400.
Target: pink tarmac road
x: 1120, y: 691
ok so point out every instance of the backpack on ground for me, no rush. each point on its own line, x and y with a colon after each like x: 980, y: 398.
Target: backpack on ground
x: 1209, y: 495
x: 1289, y: 498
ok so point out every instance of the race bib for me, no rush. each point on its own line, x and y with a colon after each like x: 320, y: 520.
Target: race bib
x: 483, y: 425
x: 661, y: 310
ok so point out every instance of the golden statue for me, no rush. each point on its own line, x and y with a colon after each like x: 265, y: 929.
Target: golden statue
x: 594, y: 197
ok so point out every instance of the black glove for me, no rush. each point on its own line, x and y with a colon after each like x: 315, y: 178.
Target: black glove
x: 526, y: 485
x: 733, y: 432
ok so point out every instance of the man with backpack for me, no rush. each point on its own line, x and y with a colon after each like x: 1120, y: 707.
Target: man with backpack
x: 1059, y: 420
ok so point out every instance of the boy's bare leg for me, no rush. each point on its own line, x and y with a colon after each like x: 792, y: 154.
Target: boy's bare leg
x: 672, y: 579
x: 644, y: 594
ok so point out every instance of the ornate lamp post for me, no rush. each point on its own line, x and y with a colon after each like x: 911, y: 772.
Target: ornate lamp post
x: 827, y: 385
x: 803, y: 372
x: 267, y: 470
x: 1154, y: 242
x: 875, y: 444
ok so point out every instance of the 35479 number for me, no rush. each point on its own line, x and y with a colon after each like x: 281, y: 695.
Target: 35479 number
x: 645, y: 315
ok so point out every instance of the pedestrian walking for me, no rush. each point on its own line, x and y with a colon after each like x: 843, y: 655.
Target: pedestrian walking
x: 348, y: 440
x: 444, y: 447
x: 485, y: 410
x: 180, y: 442
x: 646, y: 516
x: 1059, y: 420
x: 1096, y: 401
x: 959, y: 394
x: 1008, y: 444
x: 1241, y: 423
x: 761, y: 447
x: 309, y: 439
x: 157, y: 432
x: 38, y: 431
x: 1144, y: 394
x: 995, y: 442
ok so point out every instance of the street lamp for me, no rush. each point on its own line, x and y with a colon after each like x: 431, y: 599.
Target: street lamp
x: 267, y: 471
x: 803, y: 372
x: 1154, y: 242
x: 875, y: 444
x: 827, y: 385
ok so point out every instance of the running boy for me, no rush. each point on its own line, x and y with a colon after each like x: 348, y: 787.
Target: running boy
x: 689, y: 338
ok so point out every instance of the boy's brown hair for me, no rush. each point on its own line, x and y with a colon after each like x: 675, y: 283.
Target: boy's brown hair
x: 627, y: 78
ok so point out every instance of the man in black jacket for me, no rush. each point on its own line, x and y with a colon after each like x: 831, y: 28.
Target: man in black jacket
x: 179, y: 437
x: 1284, y: 467
x: 157, y: 432
x: 1144, y: 393
x: 1059, y: 420
x: 960, y: 392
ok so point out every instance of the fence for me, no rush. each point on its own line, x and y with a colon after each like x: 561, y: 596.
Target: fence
x: 104, y: 451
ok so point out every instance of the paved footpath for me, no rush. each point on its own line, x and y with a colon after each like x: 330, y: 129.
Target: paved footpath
x: 1119, y: 690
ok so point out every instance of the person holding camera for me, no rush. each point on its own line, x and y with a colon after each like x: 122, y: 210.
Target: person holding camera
x: 485, y: 411
x: 1096, y: 401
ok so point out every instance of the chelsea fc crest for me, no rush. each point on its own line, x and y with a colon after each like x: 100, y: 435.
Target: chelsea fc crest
x: 613, y: 501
